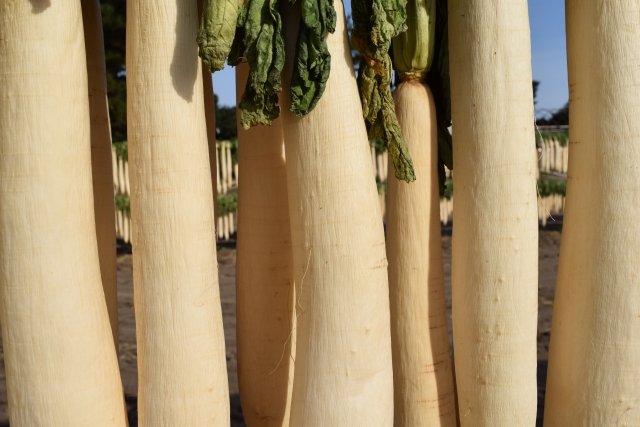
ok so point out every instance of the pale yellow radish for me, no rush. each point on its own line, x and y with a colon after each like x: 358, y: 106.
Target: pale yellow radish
x: 495, y: 237
x: 594, y: 360
x: 101, y: 149
x: 422, y: 374
x: 210, y: 117
x: 60, y: 361
x: 343, y: 371
x: 264, y: 274
x: 423, y: 381
x: 180, y: 339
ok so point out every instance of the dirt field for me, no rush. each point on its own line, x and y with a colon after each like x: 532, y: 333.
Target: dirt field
x: 548, y: 265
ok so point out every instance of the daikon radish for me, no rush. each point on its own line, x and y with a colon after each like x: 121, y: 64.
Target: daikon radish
x: 235, y: 173
x: 264, y: 274
x: 114, y: 170
x: 495, y: 238
x: 594, y: 360
x: 223, y: 169
x: 120, y: 224
x: 232, y: 224
x: 127, y: 228
x: 343, y: 371
x: 180, y: 339
x: 121, y: 183
x: 60, y: 361
x: 127, y: 189
x: 218, y: 177
x: 210, y: 117
x: 219, y: 228
x: 225, y: 227
x: 380, y: 167
x: 423, y: 380
x: 229, y: 167
x: 101, y: 150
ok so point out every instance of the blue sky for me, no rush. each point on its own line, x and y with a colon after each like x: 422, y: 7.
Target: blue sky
x: 548, y: 56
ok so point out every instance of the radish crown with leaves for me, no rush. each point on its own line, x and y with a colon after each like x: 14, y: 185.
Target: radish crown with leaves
x: 418, y: 30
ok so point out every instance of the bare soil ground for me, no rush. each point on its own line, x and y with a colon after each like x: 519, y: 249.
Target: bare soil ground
x: 549, y: 246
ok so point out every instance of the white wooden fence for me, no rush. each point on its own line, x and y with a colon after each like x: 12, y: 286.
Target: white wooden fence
x: 226, y: 182
x: 552, y: 158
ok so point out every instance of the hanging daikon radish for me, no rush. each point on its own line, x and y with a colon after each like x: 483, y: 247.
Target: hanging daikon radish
x: 120, y: 224
x: 423, y: 381
x: 181, y: 355
x: 232, y: 224
x: 594, y: 360
x: 223, y: 168
x: 343, y: 371
x: 219, y: 228
x: 380, y: 168
x: 495, y: 238
x: 225, y: 227
x: 208, y: 36
x: 210, y: 117
x: 126, y: 229
x: 218, y: 177
x: 127, y: 189
x: 101, y: 159
x: 60, y: 360
x: 235, y: 174
x: 229, y: 168
x: 114, y: 170
x: 121, y: 184
x: 264, y: 274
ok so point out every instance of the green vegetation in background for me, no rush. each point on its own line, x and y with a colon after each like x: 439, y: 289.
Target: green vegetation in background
x: 544, y: 136
x: 227, y: 203
x: 123, y: 203
x: 378, y: 144
x: 448, y: 189
x: 558, y: 118
x: 549, y: 187
x: 122, y: 150
x: 226, y: 125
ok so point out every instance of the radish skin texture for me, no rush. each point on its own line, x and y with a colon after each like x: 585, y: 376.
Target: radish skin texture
x: 423, y: 381
x: 264, y: 274
x: 61, y: 365
x: 180, y: 339
x: 210, y: 117
x: 101, y: 167
x: 343, y: 370
x: 594, y: 360
x: 495, y: 238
